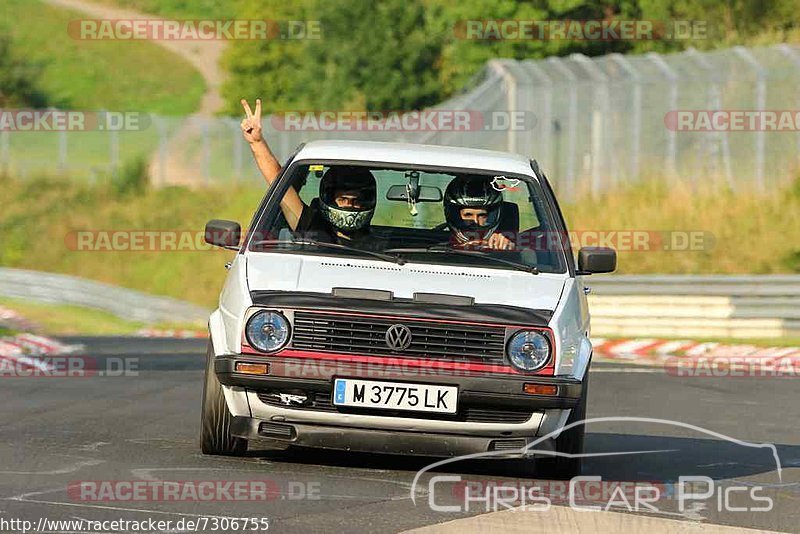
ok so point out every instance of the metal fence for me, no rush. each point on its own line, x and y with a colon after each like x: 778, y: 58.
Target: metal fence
x: 603, y: 122
x: 687, y: 306
x: 599, y: 123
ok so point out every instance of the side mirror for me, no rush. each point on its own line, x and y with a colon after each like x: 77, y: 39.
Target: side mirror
x: 596, y: 260
x: 222, y: 233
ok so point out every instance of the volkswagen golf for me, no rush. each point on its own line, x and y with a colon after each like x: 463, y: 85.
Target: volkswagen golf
x: 426, y: 301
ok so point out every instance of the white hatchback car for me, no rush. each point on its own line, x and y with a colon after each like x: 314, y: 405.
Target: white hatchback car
x: 435, y: 308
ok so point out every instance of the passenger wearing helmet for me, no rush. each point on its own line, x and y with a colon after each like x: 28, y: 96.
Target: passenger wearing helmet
x: 347, y: 195
x: 345, y: 205
x: 472, y: 209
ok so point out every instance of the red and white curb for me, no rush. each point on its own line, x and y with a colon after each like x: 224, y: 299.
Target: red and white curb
x: 31, y: 350
x: 672, y: 353
x: 14, y: 320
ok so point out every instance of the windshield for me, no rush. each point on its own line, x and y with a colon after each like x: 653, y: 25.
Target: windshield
x: 407, y: 214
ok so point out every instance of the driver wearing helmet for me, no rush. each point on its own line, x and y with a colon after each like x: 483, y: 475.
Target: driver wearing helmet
x: 472, y: 209
x: 347, y: 195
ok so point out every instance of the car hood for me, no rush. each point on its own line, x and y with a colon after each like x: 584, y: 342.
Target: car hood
x: 293, y: 272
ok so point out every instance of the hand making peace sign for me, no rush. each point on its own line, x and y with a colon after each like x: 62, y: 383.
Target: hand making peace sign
x: 251, y: 124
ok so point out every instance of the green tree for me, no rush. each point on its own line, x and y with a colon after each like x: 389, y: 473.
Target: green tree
x: 408, y: 54
x: 462, y: 58
x: 18, y: 79
x: 270, y: 69
x: 370, y: 57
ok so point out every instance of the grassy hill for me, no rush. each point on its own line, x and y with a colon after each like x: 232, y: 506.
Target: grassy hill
x: 97, y: 75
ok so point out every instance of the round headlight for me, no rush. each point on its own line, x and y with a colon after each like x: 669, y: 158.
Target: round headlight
x: 528, y: 350
x: 267, y: 331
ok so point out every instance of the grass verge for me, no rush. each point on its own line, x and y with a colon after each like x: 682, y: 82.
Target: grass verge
x: 738, y: 232
x: 55, y: 319
x: 41, y: 217
x: 6, y: 331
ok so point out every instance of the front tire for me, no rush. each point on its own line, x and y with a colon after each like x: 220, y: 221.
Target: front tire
x: 215, y: 425
x: 569, y: 442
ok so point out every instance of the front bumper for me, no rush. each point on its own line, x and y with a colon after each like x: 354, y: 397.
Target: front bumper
x: 485, y: 388
x: 382, y: 441
x: 409, y: 433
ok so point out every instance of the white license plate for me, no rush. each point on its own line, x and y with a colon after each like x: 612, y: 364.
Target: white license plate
x: 395, y: 395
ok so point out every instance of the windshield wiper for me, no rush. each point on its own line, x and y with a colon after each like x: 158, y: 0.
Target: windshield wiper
x: 443, y: 249
x: 321, y: 244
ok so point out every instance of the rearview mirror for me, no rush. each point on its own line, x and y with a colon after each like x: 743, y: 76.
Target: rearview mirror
x: 222, y: 233
x: 427, y: 193
x: 596, y: 260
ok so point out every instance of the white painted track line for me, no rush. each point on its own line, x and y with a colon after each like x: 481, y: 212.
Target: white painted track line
x: 562, y: 519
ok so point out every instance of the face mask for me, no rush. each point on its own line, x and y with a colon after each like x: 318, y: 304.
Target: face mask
x: 346, y: 220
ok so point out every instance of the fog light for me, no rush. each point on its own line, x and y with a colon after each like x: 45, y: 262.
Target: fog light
x: 252, y: 368
x: 540, y: 389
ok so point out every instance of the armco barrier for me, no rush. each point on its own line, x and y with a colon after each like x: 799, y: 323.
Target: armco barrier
x: 757, y: 306
x: 124, y: 303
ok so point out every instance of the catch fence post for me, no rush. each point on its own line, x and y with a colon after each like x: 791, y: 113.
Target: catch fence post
x: 636, y: 113
x: 760, y: 103
x: 672, y: 105
x: 572, y: 120
x: 600, y: 117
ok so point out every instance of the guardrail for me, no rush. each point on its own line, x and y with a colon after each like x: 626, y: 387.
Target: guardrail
x: 124, y: 303
x: 758, y: 306
x: 753, y: 306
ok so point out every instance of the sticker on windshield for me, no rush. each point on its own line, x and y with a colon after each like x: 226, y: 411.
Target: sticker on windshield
x: 501, y: 183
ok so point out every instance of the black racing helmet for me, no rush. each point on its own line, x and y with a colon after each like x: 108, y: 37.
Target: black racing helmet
x: 470, y: 191
x: 351, y: 179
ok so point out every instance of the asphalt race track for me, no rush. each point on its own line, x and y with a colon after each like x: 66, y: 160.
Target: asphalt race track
x: 57, y: 432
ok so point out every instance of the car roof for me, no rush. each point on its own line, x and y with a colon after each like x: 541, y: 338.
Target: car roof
x: 416, y: 154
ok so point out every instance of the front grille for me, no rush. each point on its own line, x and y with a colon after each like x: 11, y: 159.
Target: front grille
x: 321, y: 402
x: 367, y: 335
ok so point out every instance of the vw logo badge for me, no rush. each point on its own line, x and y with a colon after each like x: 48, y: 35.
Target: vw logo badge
x: 398, y: 337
